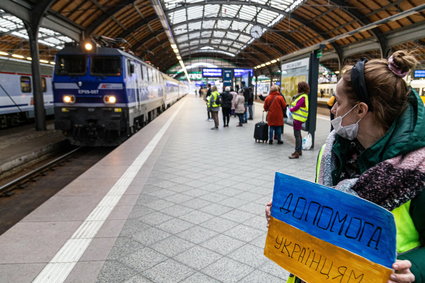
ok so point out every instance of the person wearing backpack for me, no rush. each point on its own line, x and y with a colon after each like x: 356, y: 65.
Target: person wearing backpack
x: 214, y: 103
x: 275, y: 105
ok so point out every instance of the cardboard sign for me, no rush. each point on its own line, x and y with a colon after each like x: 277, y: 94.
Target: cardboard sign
x: 323, y: 235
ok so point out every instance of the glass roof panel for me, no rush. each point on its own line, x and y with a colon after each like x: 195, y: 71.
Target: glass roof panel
x: 222, y: 15
x: 12, y: 25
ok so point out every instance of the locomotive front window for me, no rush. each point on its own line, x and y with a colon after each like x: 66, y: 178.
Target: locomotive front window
x: 71, y: 65
x: 106, y: 66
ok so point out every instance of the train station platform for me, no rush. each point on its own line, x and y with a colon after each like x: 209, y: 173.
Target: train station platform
x: 23, y: 145
x: 177, y: 202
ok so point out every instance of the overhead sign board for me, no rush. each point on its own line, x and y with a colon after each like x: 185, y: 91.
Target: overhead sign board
x: 241, y: 72
x: 419, y: 74
x: 319, y: 233
x: 212, y: 72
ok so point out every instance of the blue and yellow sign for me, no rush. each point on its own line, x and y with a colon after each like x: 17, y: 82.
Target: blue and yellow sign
x: 324, y: 235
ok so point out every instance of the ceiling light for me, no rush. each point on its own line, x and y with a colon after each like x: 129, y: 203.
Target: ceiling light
x: 18, y: 56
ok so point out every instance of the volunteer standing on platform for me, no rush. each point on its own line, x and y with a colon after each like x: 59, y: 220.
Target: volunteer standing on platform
x: 214, y: 105
x: 377, y: 152
x: 299, y: 110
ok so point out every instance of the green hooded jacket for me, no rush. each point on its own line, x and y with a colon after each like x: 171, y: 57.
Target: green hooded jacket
x: 406, y: 134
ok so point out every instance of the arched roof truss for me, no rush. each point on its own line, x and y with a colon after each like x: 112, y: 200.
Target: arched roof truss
x: 222, y: 28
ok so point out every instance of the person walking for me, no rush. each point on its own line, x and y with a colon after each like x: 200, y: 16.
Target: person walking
x: 226, y: 105
x: 377, y: 152
x: 275, y: 105
x: 299, y: 110
x: 239, y: 106
x: 214, y: 106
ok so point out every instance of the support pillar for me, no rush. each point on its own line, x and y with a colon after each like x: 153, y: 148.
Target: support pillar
x: 39, y: 111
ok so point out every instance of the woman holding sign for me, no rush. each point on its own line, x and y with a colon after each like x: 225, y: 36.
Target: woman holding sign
x: 377, y: 152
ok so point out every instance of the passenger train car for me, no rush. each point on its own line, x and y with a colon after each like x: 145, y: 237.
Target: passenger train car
x: 16, y: 91
x: 104, y: 96
x: 326, y: 90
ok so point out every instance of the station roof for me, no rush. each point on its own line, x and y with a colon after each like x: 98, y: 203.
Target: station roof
x: 246, y: 33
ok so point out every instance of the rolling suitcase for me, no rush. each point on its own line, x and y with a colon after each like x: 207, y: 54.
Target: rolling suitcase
x: 261, y: 131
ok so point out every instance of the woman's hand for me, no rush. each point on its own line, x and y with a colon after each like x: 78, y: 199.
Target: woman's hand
x: 268, y: 212
x: 402, y: 273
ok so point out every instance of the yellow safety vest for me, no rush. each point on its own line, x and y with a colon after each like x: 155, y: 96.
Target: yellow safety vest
x: 213, y: 99
x: 407, y: 236
x: 302, y: 113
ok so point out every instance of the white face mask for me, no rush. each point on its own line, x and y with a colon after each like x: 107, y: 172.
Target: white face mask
x: 348, y: 132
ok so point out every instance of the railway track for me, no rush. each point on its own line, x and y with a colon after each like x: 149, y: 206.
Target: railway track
x: 7, y: 189
x: 25, y: 193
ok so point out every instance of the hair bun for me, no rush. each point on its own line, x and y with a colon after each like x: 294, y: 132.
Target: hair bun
x: 404, y: 60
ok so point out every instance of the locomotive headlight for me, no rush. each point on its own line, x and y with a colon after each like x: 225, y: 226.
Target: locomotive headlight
x: 88, y: 46
x: 68, y: 99
x: 109, y: 99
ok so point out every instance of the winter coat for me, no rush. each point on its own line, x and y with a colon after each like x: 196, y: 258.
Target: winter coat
x: 406, y: 135
x: 234, y: 95
x: 239, y: 104
x: 275, y: 105
x: 226, y: 100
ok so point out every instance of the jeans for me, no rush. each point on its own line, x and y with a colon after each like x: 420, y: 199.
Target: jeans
x: 241, y: 120
x: 277, y: 130
x: 298, y: 140
x: 251, y: 115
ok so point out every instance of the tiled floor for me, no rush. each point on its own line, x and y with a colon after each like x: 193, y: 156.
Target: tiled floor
x: 200, y: 215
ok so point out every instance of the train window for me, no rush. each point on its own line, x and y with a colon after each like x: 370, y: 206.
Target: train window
x: 145, y: 73
x: 25, y: 84
x: 106, y: 65
x: 149, y: 74
x: 43, y: 84
x: 71, y: 65
x: 130, y: 68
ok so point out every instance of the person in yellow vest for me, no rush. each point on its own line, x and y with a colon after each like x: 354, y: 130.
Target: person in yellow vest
x: 214, y: 105
x: 377, y: 152
x: 299, y: 110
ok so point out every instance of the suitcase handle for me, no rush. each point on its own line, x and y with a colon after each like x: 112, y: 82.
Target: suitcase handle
x: 262, y: 116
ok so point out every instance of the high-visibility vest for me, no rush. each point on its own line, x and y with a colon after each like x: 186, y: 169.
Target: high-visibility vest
x: 212, y: 102
x: 407, y: 237
x: 302, y: 113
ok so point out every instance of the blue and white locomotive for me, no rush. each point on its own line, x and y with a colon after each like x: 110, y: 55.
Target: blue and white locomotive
x: 104, y: 96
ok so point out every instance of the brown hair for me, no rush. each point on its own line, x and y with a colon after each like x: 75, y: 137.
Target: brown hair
x: 303, y: 87
x: 387, y: 91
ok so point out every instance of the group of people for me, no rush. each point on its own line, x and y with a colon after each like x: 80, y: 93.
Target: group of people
x: 275, y: 105
x: 377, y: 152
x: 231, y: 102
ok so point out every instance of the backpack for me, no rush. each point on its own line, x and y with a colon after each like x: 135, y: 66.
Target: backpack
x: 218, y: 100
